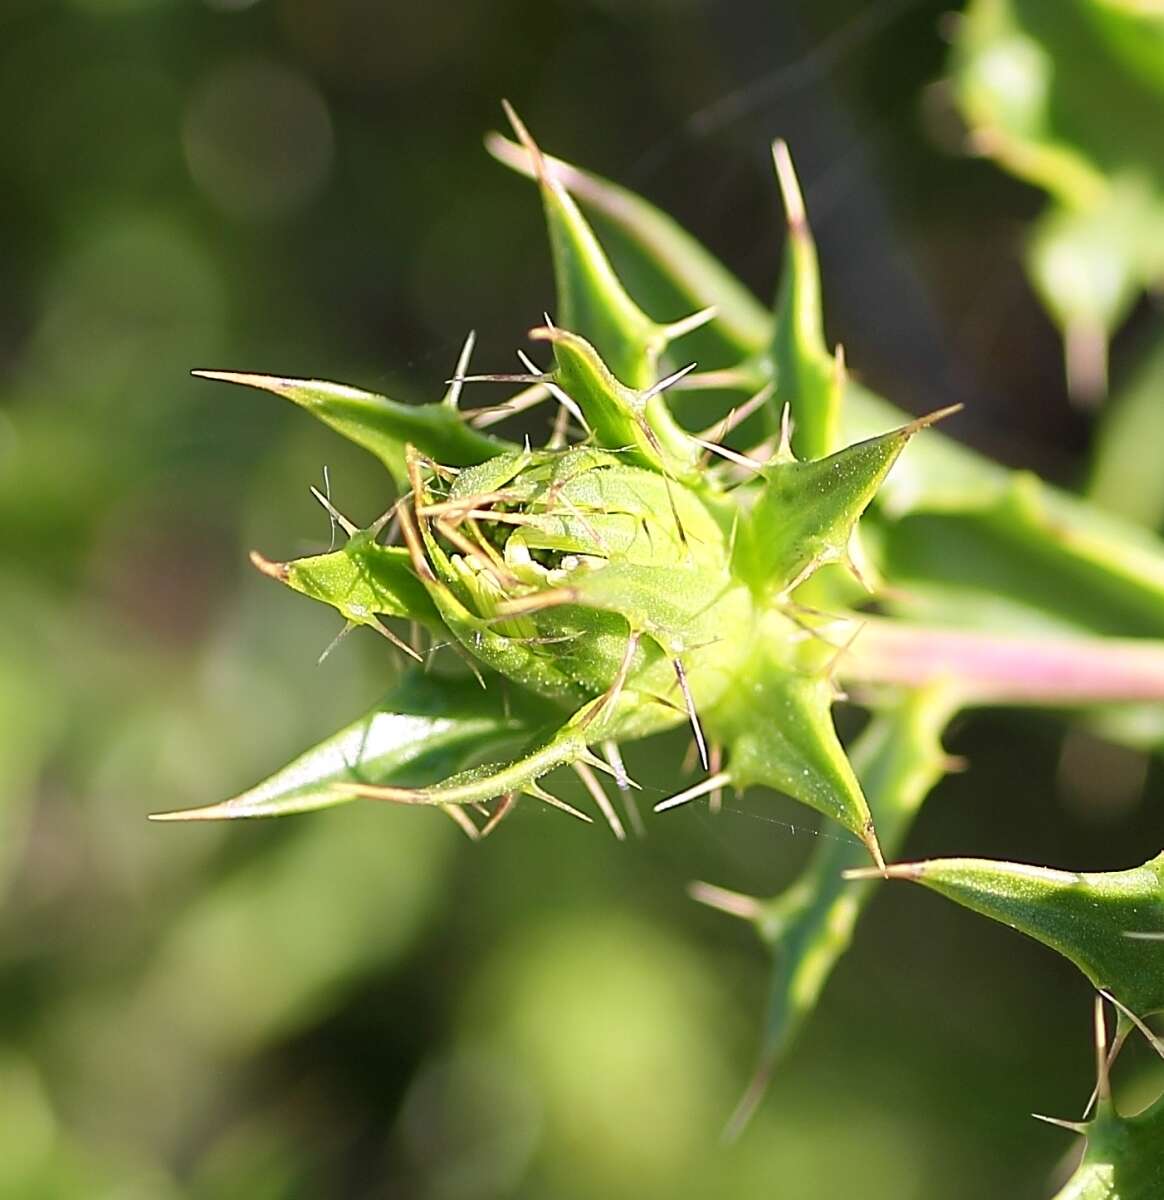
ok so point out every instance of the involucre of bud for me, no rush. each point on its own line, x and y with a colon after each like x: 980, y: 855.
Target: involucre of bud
x: 572, y: 572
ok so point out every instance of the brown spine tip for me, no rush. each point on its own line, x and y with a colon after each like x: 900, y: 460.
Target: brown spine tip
x: 789, y: 189
x: 416, y: 555
x: 869, y: 837
x: 226, y: 811
x: 735, y: 904
x: 929, y: 419
x: 749, y: 1101
x: 912, y: 871
x: 1059, y: 1122
x: 526, y: 138
x: 276, y: 570
x: 537, y: 601
x: 394, y: 795
x: 266, y: 383
x: 1102, y: 1062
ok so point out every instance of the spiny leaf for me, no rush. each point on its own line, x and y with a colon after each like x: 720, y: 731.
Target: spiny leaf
x: 898, y: 759
x: 780, y: 734
x: 380, y: 425
x: 1124, y: 1159
x: 636, y: 422
x: 591, y: 300
x: 807, y: 512
x: 678, y: 266
x: 566, y: 744
x: 806, y: 376
x: 359, y: 581
x: 1106, y: 922
x: 425, y: 727
x: 1067, y: 537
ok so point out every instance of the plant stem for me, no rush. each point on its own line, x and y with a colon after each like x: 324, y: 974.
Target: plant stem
x: 991, y: 668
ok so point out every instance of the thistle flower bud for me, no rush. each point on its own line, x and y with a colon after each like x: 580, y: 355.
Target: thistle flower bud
x: 627, y: 583
x: 578, y: 576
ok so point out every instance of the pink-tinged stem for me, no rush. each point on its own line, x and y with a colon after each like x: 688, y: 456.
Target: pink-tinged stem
x: 988, y: 668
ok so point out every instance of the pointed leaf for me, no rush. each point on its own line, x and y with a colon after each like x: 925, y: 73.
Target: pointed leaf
x: 1069, y: 538
x: 785, y: 739
x: 898, y: 759
x: 424, y: 728
x: 591, y: 300
x: 638, y: 423
x: 567, y: 743
x: 805, y: 373
x: 807, y: 511
x: 671, y: 262
x: 359, y: 581
x: 380, y: 425
x: 1124, y: 1159
x: 1109, y: 924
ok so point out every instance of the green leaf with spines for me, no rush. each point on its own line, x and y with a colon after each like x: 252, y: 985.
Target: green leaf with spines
x: 688, y: 271
x: 807, y: 511
x: 1124, y: 1158
x: 591, y: 300
x: 898, y: 759
x: 381, y: 426
x: 777, y: 727
x: 808, y: 379
x: 427, y: 726
x: 1110, y: 924
x: 360, y: 581
x: 563, y: 745
x: 635, y: 423
x: 1061, y: 537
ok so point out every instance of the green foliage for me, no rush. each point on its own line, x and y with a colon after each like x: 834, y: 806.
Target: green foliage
x: 1104, y: 922
x: 381, y: 426
x: 622, y: 585
x: 426, y: 725
x: 1121, y: 480
x: 1029, y: 77
x: 898, y: 759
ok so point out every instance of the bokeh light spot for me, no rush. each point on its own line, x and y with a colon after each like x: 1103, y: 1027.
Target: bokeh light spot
x: 258, y: 140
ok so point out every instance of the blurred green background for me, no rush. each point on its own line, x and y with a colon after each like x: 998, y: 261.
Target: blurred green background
x: 359, y: 1004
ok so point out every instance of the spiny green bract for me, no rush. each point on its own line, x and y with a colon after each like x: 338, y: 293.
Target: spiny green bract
x: 632, y: 576
x: 630, y: 579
